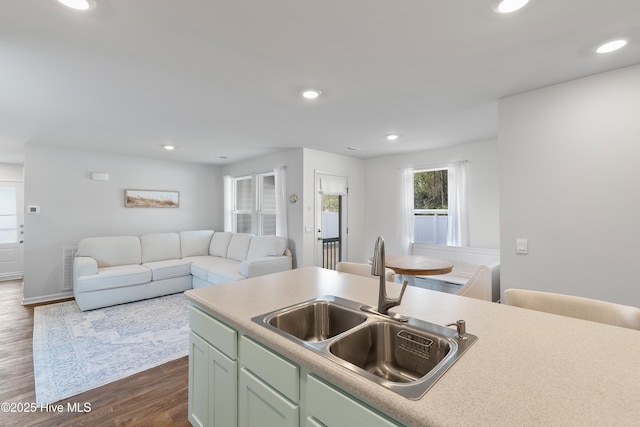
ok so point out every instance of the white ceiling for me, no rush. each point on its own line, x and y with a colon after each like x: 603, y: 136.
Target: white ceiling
x: 222, y: 78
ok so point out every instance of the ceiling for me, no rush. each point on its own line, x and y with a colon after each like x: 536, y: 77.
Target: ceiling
x: 223, y: 78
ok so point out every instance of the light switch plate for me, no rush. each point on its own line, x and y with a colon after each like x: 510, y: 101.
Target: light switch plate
x: 522, y: 246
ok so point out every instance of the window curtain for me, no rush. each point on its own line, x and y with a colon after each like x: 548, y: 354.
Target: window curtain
x: 458, y: 228
x: 281, y: 201
x: 228, y: 203
x: 407, y: 210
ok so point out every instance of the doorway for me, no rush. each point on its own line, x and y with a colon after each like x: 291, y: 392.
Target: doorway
x: 331, y: 220
x: 11, y: 230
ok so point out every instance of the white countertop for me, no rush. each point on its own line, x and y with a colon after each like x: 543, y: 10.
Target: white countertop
x: 527, y: 367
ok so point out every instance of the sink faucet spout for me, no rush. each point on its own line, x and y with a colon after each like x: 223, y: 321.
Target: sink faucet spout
x: 378, y: 269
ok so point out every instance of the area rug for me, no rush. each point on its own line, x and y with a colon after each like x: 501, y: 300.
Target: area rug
x: 75, y: 351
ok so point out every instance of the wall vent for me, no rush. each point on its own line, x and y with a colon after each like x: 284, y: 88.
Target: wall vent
x: 68, y: 253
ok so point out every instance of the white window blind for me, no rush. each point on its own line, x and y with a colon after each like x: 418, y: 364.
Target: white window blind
x: 333, y: 184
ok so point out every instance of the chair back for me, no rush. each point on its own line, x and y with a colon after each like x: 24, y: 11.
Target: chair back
x: 479, y: 285
x: 578, y: 307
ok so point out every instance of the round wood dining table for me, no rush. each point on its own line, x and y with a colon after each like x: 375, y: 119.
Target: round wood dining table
x: 415, y: 265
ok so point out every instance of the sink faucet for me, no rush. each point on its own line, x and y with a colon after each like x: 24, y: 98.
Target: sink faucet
x: 378, y: 269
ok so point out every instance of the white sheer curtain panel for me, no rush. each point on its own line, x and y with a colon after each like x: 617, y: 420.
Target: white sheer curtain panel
x: 281, y: 201
x: 407, y: 209
x: 458, y: 228
x: 228, y: 203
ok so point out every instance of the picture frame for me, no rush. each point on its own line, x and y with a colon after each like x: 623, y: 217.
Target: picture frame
x: 151, y: 199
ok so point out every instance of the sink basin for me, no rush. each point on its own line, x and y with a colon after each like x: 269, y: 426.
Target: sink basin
x: 406, y: 356
x: 316, y: 320
x: 392, y: 351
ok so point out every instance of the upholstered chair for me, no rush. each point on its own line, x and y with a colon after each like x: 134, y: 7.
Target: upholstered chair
x: 578, y: 307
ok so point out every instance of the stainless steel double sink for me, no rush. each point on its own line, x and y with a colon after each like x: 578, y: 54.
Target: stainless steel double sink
x: 406, y: 357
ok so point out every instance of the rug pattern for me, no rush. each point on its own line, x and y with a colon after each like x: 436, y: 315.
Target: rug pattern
x: 76, y: 351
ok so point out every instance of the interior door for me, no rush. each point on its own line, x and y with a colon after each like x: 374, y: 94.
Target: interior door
x: 11, y: 230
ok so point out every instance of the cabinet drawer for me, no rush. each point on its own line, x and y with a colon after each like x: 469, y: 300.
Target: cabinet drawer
x: 332, y: 407
x: 214, y: 332
x: 273, y: 369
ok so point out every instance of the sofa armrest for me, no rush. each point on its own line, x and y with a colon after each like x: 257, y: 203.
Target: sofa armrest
x: 265, y: 265
x: 84, y: 266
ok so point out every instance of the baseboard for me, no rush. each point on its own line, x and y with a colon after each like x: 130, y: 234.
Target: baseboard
x: 47, y: 298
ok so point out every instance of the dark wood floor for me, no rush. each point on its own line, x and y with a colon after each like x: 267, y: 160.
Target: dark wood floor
x: 157, y: 397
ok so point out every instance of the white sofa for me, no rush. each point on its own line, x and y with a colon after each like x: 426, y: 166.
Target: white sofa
x: 118, y: 269
x: 476, y: 271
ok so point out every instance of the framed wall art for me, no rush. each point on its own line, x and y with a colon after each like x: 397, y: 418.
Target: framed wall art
x: 151, y: 199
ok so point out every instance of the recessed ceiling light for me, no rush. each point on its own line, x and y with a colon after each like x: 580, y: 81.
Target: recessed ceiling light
x: 508, y: 6
x: 392, y: 137
x: 311, y: 93
x: 169, y: 147
x: 79, y: 4
x: 611, y: 46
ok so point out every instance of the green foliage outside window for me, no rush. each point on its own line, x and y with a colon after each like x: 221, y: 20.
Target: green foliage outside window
x: 330, y: 203
x: 430, y: 190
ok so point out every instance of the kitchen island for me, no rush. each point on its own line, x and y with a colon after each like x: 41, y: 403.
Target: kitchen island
x: 527, y: 367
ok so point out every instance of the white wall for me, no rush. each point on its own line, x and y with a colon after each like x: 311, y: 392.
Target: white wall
x: 354, y: 170
x: 570, y: 184
x: 73, y: 206
x: 292, y: 159
x: 11, y: 172
x: 384, y: 193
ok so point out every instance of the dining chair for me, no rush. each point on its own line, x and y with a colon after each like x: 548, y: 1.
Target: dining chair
x: 479, y: 285
x: 362, y: 270
x: 578, y: 307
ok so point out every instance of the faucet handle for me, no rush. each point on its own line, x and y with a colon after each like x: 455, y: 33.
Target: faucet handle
x: 461, y: 327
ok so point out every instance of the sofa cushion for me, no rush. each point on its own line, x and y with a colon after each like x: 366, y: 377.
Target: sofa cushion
x: 169, y: 268
x: 224, y: 272
x: 114, y: 277
x: 239, y: 246
x: 200, y: 265
x: 160, y: 246
x: 111, y: 251
x: 220, y: 243
x: 195, y: 243
x: 262, y: 246
x: 215, y: 270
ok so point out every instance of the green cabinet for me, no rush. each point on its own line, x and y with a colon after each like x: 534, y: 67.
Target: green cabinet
x: 268, y: 389
x: 260, y: 405
x: 236, y: 381
x: 213, y: 375
x: 328, y: 406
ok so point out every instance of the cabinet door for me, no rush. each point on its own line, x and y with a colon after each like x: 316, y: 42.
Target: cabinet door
x: 223, y: 390
x: 261, y: 406
x: 212, y: 386
x: 198, y: 381
x: 331, y: 407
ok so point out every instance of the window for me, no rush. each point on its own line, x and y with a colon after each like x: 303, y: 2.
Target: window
x: 431, y: 206
x: 243, y: 204
x: 254, y: 204
x: 8, y: 227
x: 267, y: 204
